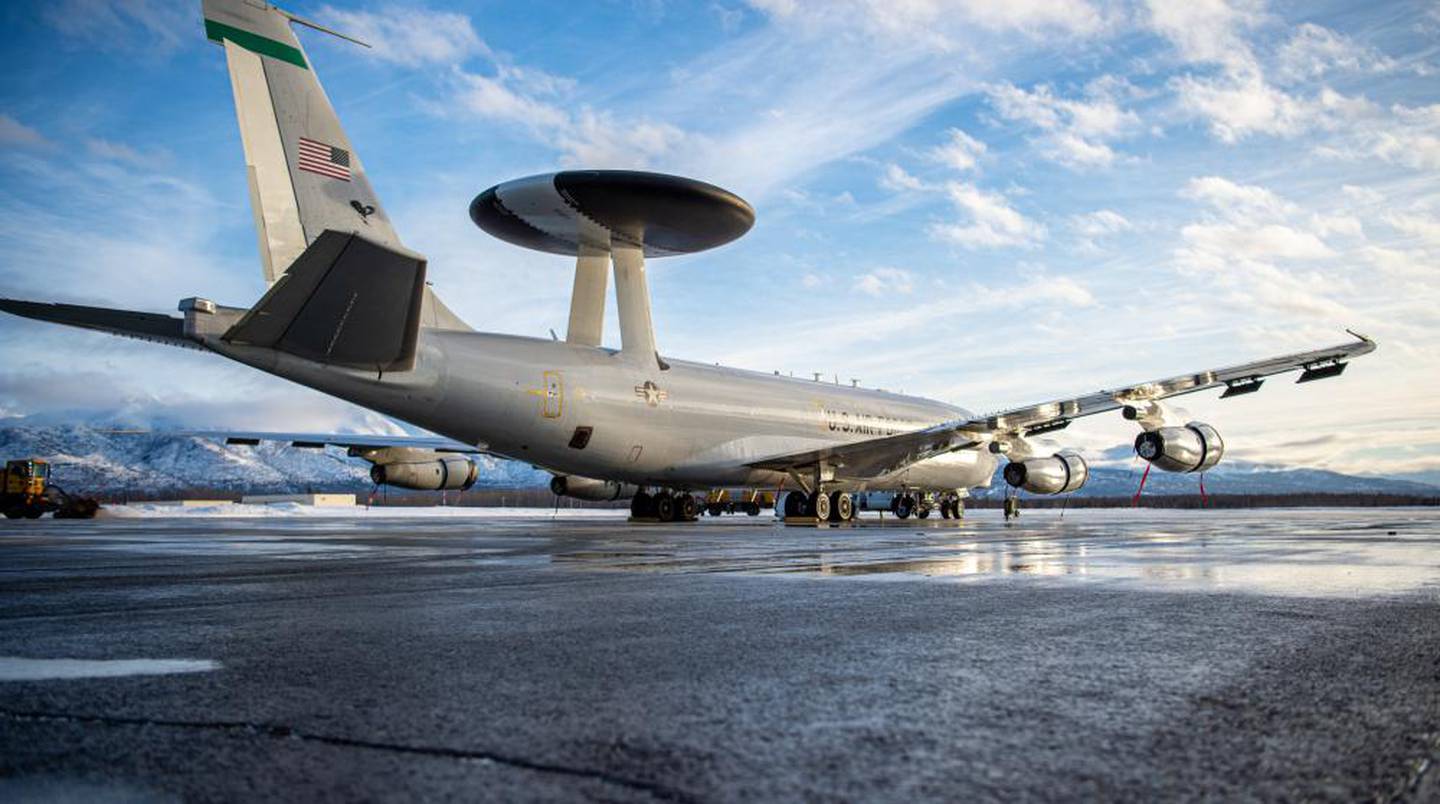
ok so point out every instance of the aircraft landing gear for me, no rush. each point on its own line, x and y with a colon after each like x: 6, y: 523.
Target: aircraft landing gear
x: 819, y: 505
x: 834, y: 506
x: 951, y: 507
x: 902, y: 506
x: 665, y: 506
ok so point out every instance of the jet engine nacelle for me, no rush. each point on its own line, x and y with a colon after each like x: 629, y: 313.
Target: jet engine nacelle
x: 447, y: 473
x: 1193, y: 448
x: 588, y: 488
x: 1057, y: 474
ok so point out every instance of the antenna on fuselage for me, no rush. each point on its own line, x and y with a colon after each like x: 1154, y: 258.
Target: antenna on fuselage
x: 618, y: 217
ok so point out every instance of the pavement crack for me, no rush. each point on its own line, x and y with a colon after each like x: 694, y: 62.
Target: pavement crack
x: 283, y: 732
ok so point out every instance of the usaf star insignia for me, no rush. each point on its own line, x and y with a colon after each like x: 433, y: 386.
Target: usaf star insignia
x: 651, y: 393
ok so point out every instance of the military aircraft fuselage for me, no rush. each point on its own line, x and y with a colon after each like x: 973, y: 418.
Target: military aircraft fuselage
x: 598, y: 412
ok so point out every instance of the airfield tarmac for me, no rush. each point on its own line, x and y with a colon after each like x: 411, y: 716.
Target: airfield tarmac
x: 1110, y: 654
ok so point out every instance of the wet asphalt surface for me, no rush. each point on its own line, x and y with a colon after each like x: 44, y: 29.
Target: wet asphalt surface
x: 1128, y: 655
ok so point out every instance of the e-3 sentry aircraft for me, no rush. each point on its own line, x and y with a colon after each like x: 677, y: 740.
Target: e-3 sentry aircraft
x: 348, y: 312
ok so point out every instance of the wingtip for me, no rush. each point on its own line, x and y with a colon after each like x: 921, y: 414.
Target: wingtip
x: 1365, y: 338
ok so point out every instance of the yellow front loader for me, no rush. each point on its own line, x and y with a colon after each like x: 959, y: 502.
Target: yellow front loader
x: 27, y: 492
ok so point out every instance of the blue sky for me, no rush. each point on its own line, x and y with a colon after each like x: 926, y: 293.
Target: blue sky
x: 989, y: 202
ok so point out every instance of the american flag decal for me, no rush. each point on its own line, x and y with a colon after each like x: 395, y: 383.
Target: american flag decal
x: 327, y: 160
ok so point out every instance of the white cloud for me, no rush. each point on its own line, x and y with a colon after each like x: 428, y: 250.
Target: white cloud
x: 120, y: 152
x: 1238, y: 106
x: 960, y: 152
x: 1267, y: 242
x: 1208, y: 31
x: 1326, y: 225
x: 1074, y: 132
x: 1100, y: 223
x: 495, y: 99
x: 1361, y: 195
x: 1402, y: 264
x: 1315, y: 50
x: 938, y: 24
x: 1410, y: 136
x: 599, y: 139
x: 988, y: 220
x: 587, y: 137
x: 1246, y: 201
x: 1240, y: 102
x: 15, y: 133
x: 1071, y: 16
x: 143, y: 26
x: 886, y: 282
x: 896, y: 179
x: 409, y: 36
x: 1423, y: 227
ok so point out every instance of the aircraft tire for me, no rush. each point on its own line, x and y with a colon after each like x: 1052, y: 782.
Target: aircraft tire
x: 905, y: 507
x: 686, y: 509
x: 842, y: 507
x: 752, y: 509
x: 642, y: 505
x: 664, y: 507
x: 819, y: 505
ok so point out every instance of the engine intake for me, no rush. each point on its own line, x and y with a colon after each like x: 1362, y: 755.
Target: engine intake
x: 588, y: 488
x: 450, y: 473
x: 1057, y: 474
x: 1196, y: 447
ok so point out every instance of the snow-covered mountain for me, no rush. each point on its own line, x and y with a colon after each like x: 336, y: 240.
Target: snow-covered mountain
x: 96, y: 460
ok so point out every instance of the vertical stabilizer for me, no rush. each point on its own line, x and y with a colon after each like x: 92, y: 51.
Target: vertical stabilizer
x: 304, y: 174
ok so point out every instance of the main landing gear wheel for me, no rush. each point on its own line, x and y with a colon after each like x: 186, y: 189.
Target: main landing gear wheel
x: 665, y: 507
x: 903, y: 506
x: 642, y: 505
x: 688, y: 509
x: 842, y: 507
x: 819, y: 505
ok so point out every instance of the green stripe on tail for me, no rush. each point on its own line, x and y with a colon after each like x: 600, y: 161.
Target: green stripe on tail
x: 219, y: 31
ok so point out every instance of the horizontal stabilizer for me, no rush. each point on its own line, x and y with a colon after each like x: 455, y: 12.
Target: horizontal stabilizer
x: 351, y: 441
x: 144, y: 326
x: 347, y: 301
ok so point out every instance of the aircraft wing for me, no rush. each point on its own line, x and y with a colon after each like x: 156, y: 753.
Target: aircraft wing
x: 881, y: 456
x: 318, y: 440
